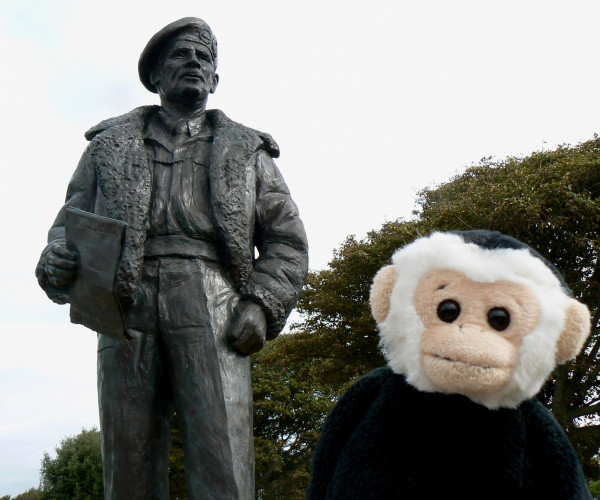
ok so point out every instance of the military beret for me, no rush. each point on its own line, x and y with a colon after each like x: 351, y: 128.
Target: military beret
x: 197, y: 27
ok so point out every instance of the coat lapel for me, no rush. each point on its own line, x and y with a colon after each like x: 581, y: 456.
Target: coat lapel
x: 125, y: 179
x: 233, y: 192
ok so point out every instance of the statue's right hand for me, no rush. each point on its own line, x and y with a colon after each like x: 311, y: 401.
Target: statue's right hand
x: 61, y: 264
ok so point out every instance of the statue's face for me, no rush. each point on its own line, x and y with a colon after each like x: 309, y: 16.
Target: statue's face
x: 186, y: 71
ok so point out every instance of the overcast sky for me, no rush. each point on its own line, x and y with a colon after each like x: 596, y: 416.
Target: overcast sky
x: 369, y: 102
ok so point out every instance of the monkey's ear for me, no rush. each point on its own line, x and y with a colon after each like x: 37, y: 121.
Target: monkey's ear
x: 578, y: 325
x: 381, y: 290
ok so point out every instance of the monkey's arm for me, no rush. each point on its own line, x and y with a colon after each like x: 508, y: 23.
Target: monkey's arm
x: 552, y: 469
x: 341, y: 422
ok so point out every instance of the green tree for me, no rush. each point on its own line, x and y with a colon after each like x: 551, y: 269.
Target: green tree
x: 548, y: 200
x: 290, y: 404
x: 76, y: 471
x: 30, y: 494
x: 595, y: 489
x: 177, y: 490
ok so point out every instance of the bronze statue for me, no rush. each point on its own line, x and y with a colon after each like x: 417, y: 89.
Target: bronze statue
x: 199, y: 193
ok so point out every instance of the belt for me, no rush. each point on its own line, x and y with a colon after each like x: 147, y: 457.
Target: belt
x: 183, y: 246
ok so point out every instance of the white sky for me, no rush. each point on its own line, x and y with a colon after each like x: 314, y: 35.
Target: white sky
x: 369, y: 101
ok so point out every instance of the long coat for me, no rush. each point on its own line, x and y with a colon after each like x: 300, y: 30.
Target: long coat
x: 250, y: 207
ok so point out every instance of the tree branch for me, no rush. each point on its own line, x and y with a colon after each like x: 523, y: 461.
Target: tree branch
x: 584, y: 410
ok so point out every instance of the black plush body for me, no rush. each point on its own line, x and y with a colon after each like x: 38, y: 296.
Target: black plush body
x: 384, y: 439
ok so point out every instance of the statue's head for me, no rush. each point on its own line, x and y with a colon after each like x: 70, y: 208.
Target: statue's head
x: 180, y: 61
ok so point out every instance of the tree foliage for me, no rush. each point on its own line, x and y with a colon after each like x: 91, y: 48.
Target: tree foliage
x: 290, y: 403
x: 30, y: 494
x: 177, y: 489
x: 76, y: 471
x: 549, y: 200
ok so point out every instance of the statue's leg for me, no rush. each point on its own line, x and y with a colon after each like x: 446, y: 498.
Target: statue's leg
x: 133, y: 396
x: 210, y: 383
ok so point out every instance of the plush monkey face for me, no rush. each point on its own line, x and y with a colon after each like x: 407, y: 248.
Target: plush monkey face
x: 489, y: 324
x: 472, y: 331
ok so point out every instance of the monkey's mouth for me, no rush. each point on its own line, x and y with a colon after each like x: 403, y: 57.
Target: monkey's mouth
x: 461, y: 376
x: 465, y: 363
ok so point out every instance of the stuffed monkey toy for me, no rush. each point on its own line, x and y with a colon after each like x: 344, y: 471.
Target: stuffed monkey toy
x: 471, y: 325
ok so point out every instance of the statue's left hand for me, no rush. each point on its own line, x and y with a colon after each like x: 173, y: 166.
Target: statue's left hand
x: 248, y: 331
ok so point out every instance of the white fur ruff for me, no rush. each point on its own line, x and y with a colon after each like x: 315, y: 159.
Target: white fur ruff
x: 401, y: 331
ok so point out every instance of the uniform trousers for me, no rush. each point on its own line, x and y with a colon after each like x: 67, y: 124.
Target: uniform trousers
x: 177, y: 359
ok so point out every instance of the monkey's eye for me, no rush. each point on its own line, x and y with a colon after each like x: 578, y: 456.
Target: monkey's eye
x: 448, y: 310
x: 498, y: 318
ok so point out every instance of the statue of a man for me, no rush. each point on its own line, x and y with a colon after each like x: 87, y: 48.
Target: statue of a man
x: 199, y: 193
